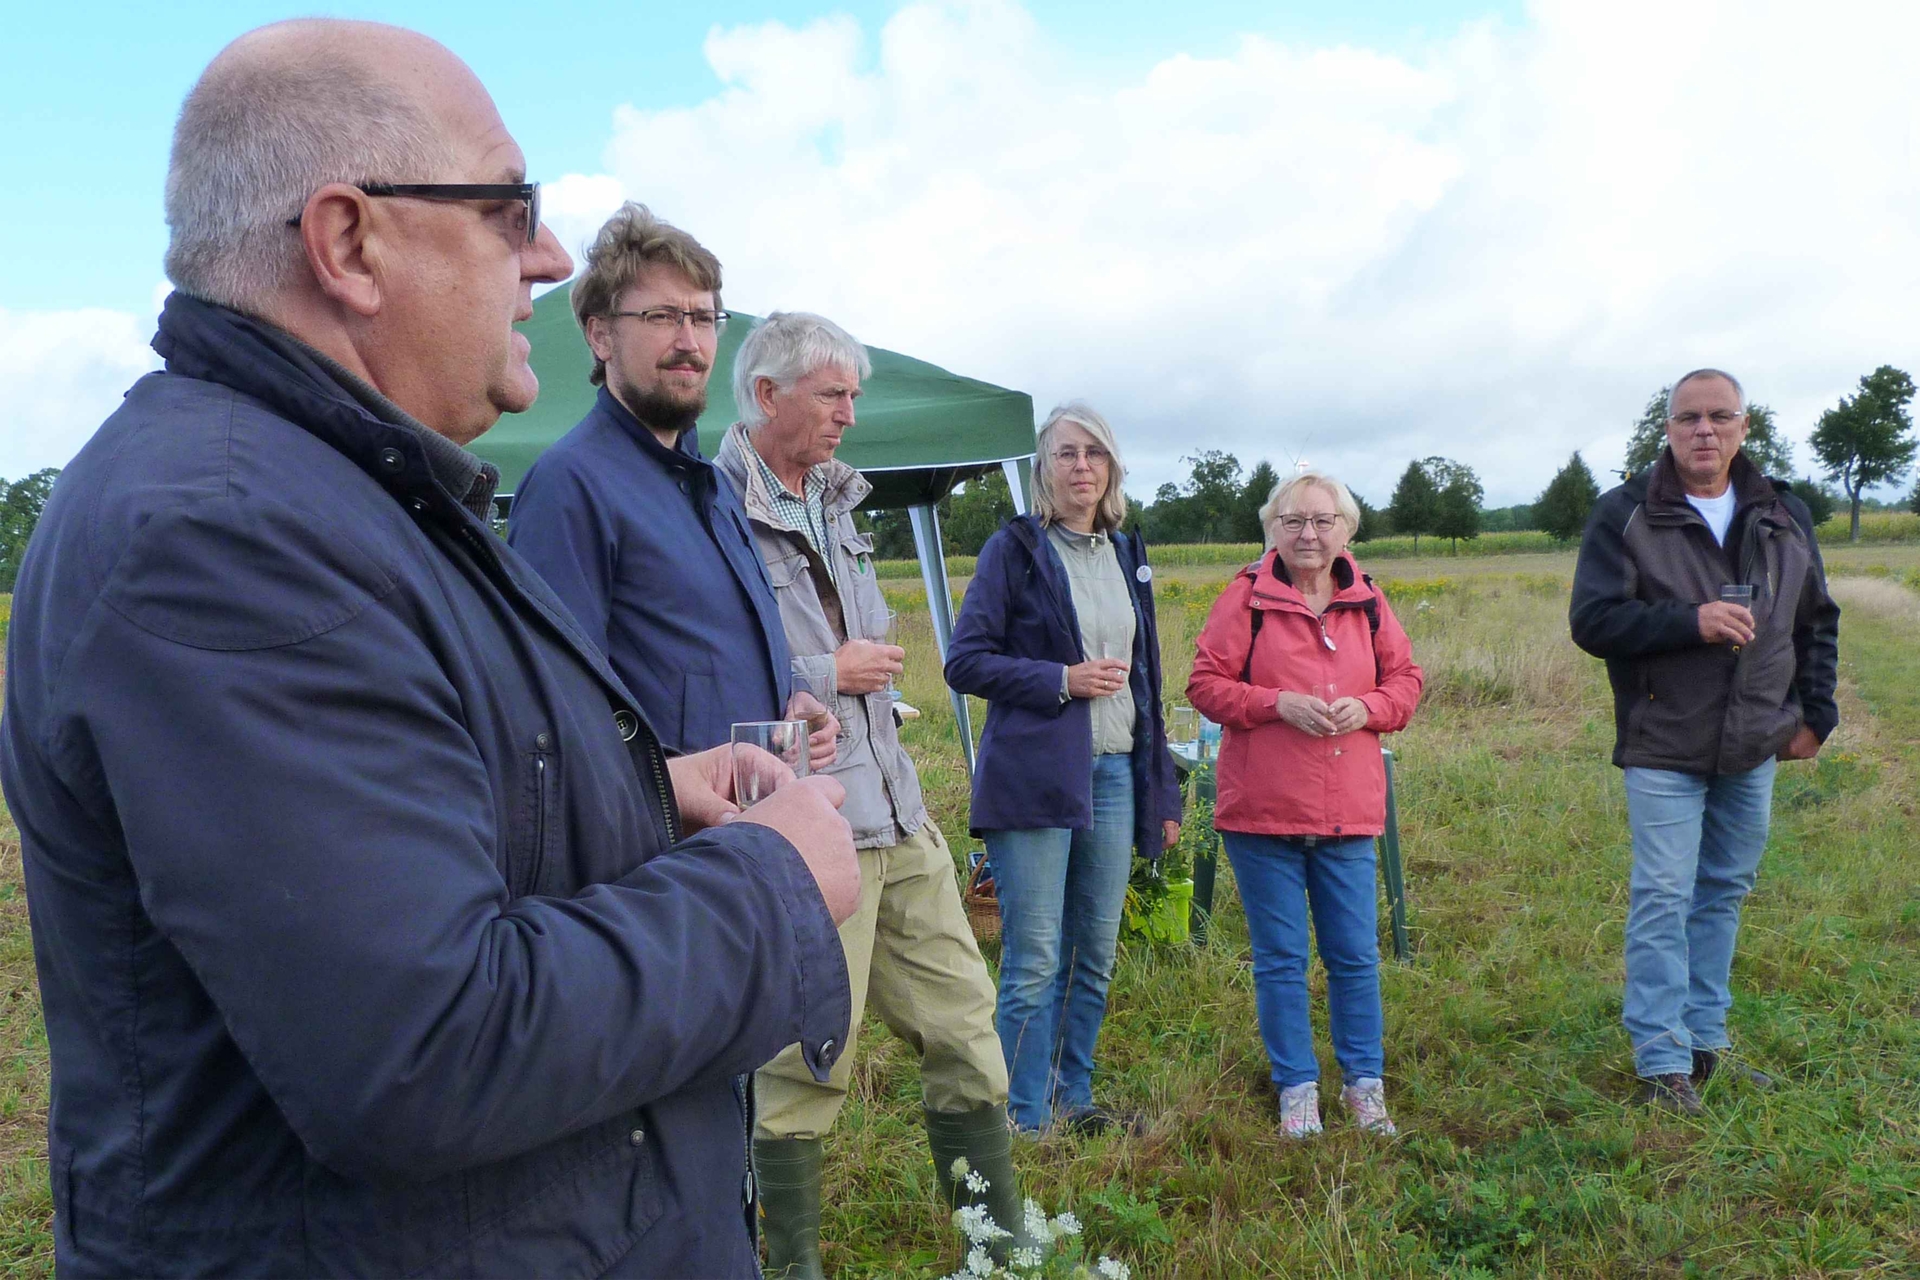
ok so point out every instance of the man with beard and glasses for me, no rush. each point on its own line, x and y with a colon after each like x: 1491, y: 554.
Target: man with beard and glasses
x: 634, y: 529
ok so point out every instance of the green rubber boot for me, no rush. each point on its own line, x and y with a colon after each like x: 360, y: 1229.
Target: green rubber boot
x: 981, y: 1138
x: 787, y: 1171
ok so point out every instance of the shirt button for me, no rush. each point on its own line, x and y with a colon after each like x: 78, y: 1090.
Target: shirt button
x: 542, y: 741
x: 627, y: 724
x: 392, y: 461
x: 637, y: 1138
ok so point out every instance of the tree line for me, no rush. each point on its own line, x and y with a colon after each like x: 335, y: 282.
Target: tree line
x: 1864, y: 441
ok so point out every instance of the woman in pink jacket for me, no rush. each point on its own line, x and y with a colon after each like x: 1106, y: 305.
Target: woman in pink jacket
x: 1305, y: 666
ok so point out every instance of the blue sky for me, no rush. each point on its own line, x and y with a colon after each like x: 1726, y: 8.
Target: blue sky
x: 88, y: 92
x: 1353, y: 233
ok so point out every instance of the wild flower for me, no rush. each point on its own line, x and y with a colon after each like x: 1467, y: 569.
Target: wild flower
x: 1053, y: 1255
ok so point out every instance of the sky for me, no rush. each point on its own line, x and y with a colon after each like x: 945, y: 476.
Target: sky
x: 1346, y: 233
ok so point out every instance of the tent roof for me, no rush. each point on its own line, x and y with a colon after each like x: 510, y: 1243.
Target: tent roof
x: 920, y: 429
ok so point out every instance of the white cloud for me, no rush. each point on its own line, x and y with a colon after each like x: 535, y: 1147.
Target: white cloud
x: 66, y: 371
x: 1495, y: 250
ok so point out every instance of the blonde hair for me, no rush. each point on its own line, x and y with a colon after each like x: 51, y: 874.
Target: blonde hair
x: 1111, y: 511
x: 1280, y: 501
x: 628, y: 243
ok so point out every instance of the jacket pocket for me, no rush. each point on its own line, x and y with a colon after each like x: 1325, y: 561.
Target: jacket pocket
x: 785, y: 571
x: 856, y: 549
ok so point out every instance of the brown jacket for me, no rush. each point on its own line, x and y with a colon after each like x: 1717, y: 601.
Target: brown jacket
x: 1647, y: 563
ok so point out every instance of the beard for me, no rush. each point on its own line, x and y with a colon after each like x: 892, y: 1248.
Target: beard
x: 662, y: 409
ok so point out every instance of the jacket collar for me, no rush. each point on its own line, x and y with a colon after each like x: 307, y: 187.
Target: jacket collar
x: 845, y: 487
x: 1273, y: 584
x: 1666, y: 495
x: 212, y: 343
x: 685, y: 449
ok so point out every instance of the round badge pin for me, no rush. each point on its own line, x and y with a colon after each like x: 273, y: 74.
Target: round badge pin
x: 1144, y: 573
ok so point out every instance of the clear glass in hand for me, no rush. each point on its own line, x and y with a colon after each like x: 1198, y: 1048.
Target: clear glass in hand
x: 812, y: 701
x: 885, y: 629
x: 766, y: 753
x: 1740, y: 593
x: 1116, y: 651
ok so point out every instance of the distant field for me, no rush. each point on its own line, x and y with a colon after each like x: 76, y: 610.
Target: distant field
x: 1877, y: 529
x: 1520, y: 1155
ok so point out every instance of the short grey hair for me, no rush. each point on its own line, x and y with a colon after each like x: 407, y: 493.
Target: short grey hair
x: 1111, y: 512
x: 1685, y: 378
x: 1280, y: 501
x: 786, y: 347
x: 260, y: 133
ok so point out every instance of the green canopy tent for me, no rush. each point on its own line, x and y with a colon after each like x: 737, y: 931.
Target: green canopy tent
x: 920, y: 432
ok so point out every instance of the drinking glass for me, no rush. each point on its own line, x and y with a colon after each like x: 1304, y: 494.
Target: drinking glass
x: 885, y: 626
x: 757, y: 744
x: 1112, y: 649
x: 1740, y: 593
x: 813, y: 687
x: 1183, y: 726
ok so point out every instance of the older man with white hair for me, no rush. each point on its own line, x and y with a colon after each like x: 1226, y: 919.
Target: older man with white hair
x: 376, y: 934
x: 909, y: 949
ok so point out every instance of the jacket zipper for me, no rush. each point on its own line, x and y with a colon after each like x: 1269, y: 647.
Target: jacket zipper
x: 539, y: 824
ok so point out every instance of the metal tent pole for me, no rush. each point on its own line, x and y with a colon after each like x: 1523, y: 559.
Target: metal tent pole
x: 933, y: 574
x: 1390, y: 870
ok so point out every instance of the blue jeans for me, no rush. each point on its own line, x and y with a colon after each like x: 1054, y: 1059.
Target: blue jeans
x: 1280, y: 879
x: 1696, y: 848
x: 1061, y: 892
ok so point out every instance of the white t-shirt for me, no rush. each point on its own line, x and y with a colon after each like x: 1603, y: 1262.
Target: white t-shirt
x: 1717, y: 512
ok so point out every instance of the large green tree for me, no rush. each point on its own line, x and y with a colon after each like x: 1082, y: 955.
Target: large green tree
x: 1415, y: 504
x: 975, y: 512
x: 1867, y: 439
x: 1456, y: 512
x: 1769, y: 450
x: 1372, y: 521
x: 20, y: 505
x: 1253, y: 496
x: 1204, y: 509
x: 1563, y: 506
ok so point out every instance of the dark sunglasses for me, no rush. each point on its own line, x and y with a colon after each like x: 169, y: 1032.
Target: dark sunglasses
x: 528, y: 193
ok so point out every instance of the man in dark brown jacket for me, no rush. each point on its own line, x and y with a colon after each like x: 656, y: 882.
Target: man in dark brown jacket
x: 1700, y: 583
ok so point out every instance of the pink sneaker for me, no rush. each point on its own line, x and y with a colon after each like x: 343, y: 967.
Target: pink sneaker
x: 1300, y: 1110
x: 1367, y: 1099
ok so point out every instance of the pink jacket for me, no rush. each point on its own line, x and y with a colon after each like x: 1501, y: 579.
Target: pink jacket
x: 1274, y: 779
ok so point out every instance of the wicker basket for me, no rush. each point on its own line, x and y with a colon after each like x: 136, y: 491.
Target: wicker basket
x: 983, y: 905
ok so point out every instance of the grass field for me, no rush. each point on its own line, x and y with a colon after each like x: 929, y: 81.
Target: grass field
x: 1505, y: 1062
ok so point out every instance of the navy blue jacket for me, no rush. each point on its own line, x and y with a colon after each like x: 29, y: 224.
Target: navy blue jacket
x: 1017, y: 629
x: 363, y: 940
x: 651, y: 550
